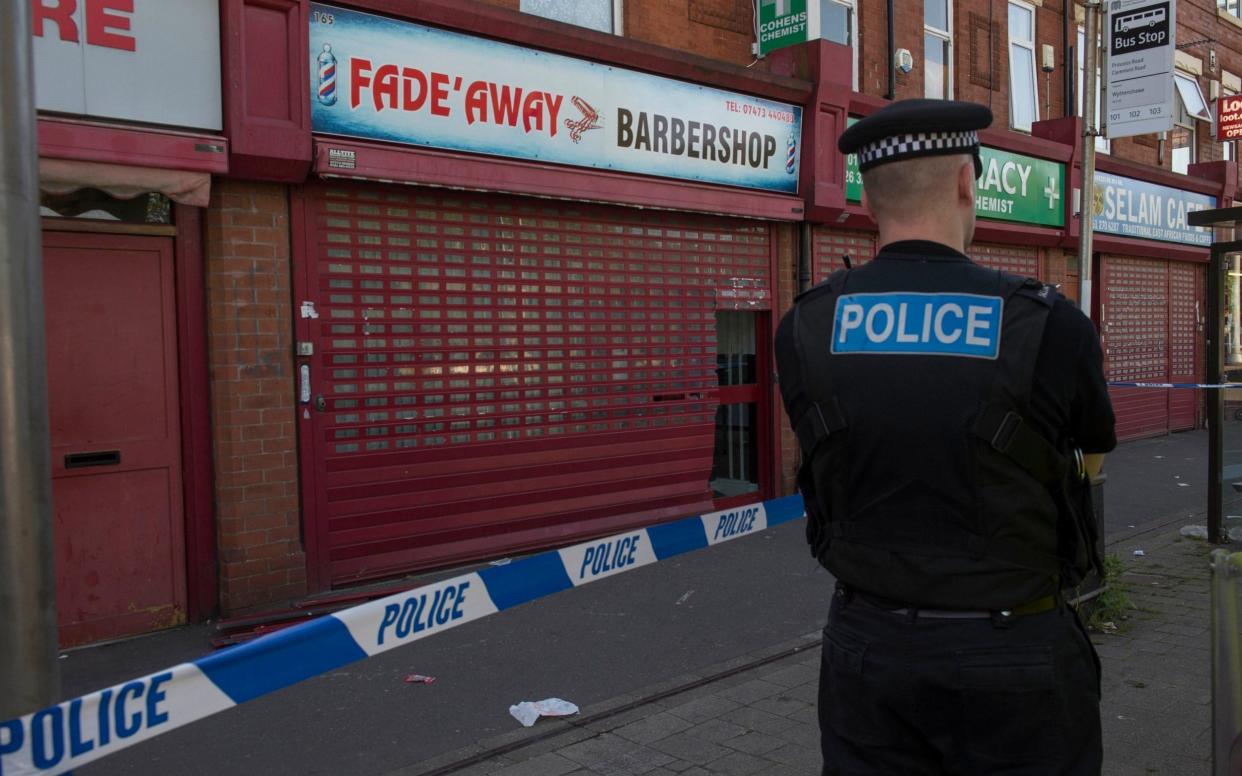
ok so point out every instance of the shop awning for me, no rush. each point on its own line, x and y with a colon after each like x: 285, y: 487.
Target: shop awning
x: 62, y: 176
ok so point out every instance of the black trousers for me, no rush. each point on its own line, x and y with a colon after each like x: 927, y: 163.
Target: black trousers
x: 902, y: 694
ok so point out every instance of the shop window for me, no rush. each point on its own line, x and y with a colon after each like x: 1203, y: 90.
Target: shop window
x: 1189, y: 110
x: 839, y: 25
x: 602, y: 15
x: 98, y: 205
x: 1023, y: 88
x: 937, y: 49
x: 735, y: 461
x: 1101, y: 143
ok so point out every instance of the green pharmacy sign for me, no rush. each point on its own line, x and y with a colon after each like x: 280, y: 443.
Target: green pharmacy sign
x: 1013, y: 187
x: 781, y: 23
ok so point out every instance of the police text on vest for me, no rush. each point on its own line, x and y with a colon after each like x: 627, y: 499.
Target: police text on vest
x: 918, y: 324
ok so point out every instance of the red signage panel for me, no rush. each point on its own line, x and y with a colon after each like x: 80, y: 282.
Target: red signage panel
x: 1229, y: 117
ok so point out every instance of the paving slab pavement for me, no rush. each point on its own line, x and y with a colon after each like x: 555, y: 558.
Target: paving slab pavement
x: 758, y: 716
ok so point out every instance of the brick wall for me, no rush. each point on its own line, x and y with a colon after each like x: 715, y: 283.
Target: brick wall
x: 251, y: 362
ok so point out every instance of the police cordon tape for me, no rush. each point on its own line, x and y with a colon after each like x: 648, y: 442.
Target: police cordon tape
x: 62, y: 737
x: 1115, y: 384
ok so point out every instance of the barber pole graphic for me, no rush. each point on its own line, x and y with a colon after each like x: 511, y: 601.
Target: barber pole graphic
x: 791, y: 156
x: 327, y: 76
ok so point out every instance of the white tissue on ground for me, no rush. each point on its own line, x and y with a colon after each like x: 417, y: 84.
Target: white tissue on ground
x: 527, y: 712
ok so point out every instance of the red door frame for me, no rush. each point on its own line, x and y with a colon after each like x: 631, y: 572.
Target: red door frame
x: 197, y: 473
x: 202, y: 590
x: 314, y: 531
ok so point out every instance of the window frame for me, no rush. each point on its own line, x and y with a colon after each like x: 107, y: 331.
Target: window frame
x: 618, y: 18
x: 851, y: 7
x: 945, y: 35
x: 1029, y: 46
x: 1223, y: 7
x: 1229, y: 148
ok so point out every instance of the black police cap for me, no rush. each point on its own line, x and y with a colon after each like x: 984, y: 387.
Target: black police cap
x: 908, y: 129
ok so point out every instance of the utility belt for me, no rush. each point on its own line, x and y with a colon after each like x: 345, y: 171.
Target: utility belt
x: 849, y: 595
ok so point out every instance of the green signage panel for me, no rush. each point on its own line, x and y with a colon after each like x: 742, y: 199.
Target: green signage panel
x: 781, y: 23
x: 1013, y: 187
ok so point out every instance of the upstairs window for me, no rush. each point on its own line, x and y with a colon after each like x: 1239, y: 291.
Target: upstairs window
x: 838, y: 24
x: 1190, y: 109
x: 1101, y: 142
x: 937, y: 49
x: 1023, y: 87
x: 602, y: 15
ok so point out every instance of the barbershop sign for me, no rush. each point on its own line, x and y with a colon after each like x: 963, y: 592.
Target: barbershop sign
x: 1133, y: 208
x: 153, y: 61
x: 1013, y: 187
x: 383, y: 79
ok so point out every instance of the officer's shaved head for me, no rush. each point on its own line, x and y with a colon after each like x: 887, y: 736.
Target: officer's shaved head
x: 913, y: 188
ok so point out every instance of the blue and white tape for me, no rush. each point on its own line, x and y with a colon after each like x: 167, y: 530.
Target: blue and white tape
x: 71, y: 734
x: 1117, y: 384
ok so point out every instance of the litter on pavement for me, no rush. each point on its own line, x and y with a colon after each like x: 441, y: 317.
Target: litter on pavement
x: 419, y: 679
x: 527, y: 712
x: 1139, y: 553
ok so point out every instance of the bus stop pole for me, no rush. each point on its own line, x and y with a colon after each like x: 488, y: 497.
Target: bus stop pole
x: 1215, y: 399
x: 29, y: 672
x: 1089, y: 131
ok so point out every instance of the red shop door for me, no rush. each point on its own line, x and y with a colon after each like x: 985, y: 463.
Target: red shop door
x: 1134, y: 309
x: 115, y: 434
x: 1186, y: 319
x: 494, y: 374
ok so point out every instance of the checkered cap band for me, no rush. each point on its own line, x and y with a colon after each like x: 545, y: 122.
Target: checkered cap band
x: 929, y: 143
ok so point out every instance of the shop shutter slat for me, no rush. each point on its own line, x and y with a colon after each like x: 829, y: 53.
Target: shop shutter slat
x: 1136, y: 341
x: 829, y: 245
x: 1185, y: 343
x: 502, y: 374
x: 1008, y: 258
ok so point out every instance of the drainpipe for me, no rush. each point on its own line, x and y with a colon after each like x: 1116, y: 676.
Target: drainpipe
x: 892, y: 54
x: 1070, y: 68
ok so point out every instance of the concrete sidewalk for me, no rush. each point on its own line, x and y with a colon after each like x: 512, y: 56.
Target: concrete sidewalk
x: 756, y: 714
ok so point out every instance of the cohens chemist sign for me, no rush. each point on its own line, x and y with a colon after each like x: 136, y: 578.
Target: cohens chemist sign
x: 378, y: 78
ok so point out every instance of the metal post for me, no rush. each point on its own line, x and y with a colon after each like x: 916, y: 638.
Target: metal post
x: 28, y: 669
x: 1089, y: 131
x: 1226, y: 662
x: 1214, y: 399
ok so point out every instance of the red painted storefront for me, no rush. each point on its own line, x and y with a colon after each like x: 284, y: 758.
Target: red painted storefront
x: 502, y: 355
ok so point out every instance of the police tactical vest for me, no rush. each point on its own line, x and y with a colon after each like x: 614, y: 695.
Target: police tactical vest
x: 923, y: 482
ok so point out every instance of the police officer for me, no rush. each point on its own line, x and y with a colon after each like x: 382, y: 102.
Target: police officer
x: 942, y: 410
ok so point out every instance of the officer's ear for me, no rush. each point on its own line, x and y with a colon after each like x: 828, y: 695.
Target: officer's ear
x: 966, y: 183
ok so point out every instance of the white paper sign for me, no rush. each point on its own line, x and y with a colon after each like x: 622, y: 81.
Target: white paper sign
x: 155, y: 61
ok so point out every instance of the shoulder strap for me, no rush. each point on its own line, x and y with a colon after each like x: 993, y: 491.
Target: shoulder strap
x: 823, y: 416
x: 1002, y: 424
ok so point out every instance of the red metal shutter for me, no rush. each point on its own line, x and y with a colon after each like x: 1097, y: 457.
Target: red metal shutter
x: 502, y: 374
x: 1136, y: 341
x: 1186, y: 290
x: 829, y: 245
x: 1009, y: 258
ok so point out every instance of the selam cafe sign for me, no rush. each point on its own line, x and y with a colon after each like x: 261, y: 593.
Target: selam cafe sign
x: 383, y: 79
x: 1017, y: 188
x: 1132, y: 208
x: 154, y: 61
